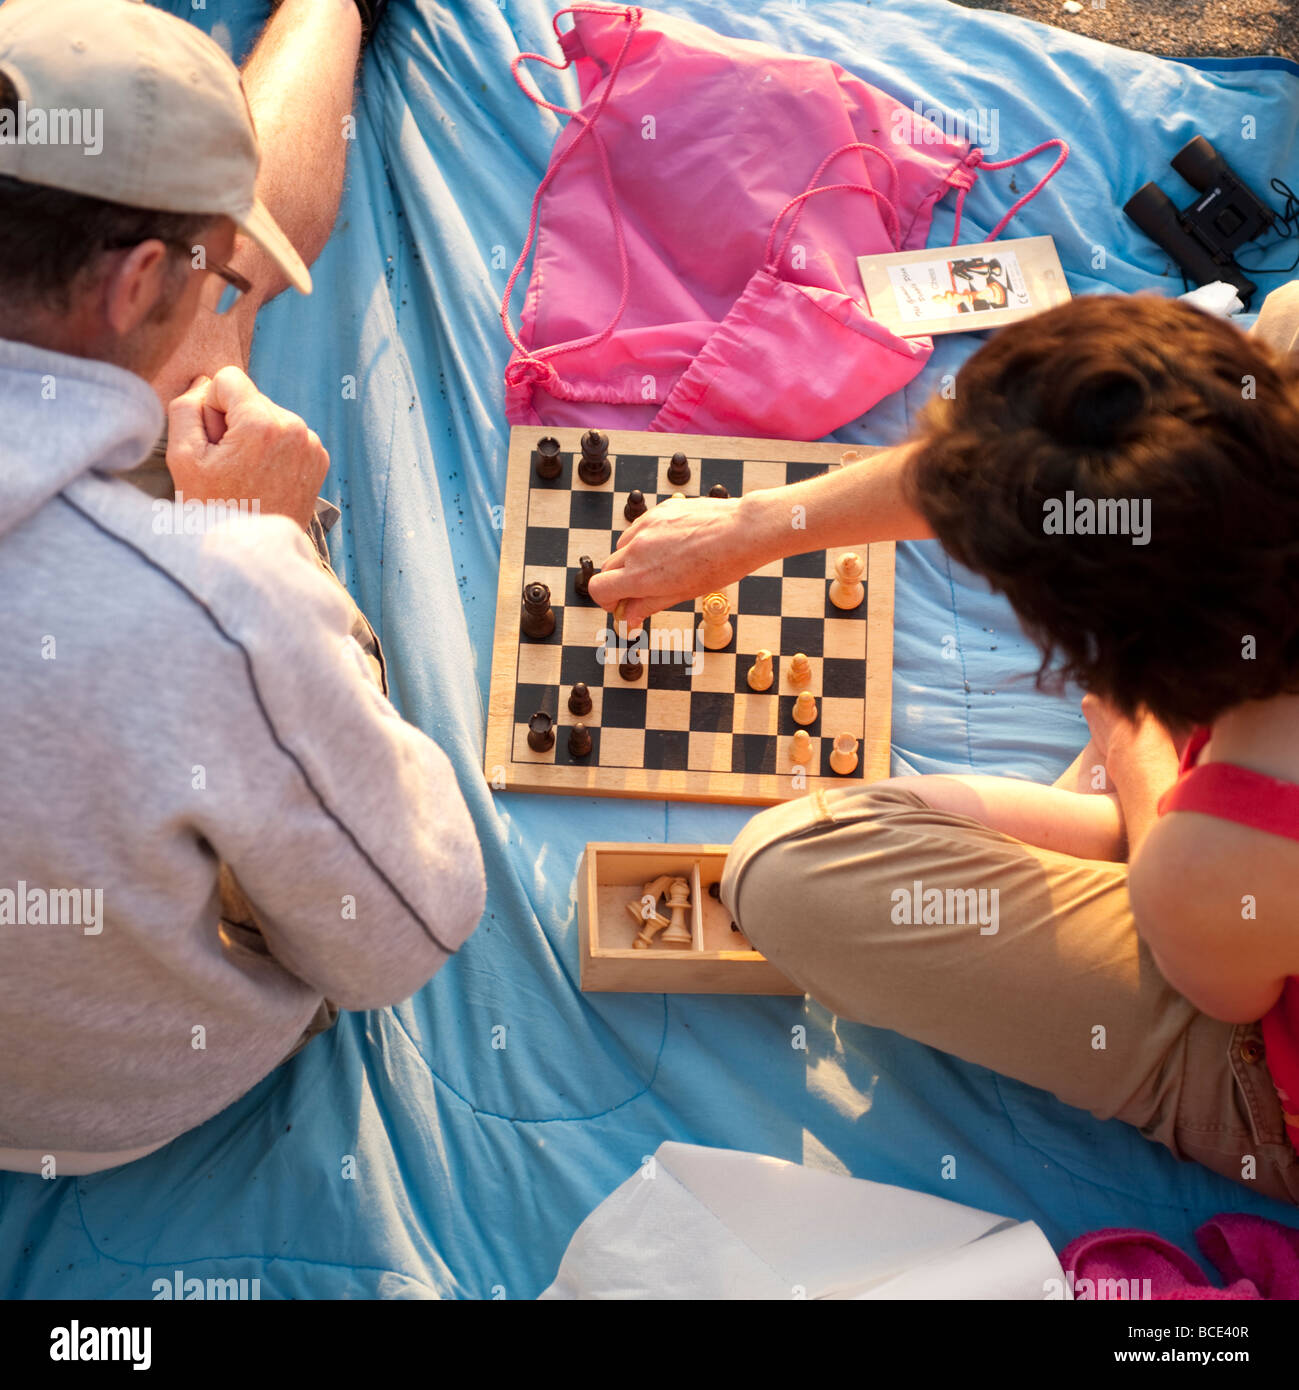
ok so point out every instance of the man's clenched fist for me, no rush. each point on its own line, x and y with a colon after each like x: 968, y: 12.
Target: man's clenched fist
x: 227, y: 441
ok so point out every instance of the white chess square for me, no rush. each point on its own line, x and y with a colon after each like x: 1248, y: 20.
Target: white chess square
x: 845, y: 638
x: 756, y: 631
x: 524, y: 754
x: 756, y: 713
x: 593, y: 543
x: 622, y: 747
x: 714, y: 671
x: 710, y: 752
x: 802, y: 598
x: 539, y: 663
x: 548, y: 507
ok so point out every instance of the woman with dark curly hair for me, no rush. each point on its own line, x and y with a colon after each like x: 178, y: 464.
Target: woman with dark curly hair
x: 1126, y: 471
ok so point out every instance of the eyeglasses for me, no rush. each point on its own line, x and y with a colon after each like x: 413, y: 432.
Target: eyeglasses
x: 236, y: 285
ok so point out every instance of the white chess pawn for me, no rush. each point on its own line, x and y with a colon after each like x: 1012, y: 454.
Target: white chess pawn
x: 846, y: 588
x: 716, y: 630
x: 805, y: 708
x: 678, y: 933
x: 843, y: 756
x: 760, y: 673
x: 801, y: 752
x: 800, y: 670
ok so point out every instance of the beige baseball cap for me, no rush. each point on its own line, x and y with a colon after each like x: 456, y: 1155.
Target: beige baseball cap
x: 121, y: 101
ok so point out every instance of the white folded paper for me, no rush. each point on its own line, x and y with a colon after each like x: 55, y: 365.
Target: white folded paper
x: 699, y: 1223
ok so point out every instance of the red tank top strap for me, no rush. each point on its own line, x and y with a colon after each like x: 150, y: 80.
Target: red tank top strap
x: 1237, y: 794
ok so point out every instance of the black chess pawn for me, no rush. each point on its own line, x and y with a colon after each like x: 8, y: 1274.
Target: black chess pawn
x: 593, y: 467
x: 538, y: 615
x: 541, y: 732
x: 630, y: 668
x: 579, y: 700
x: 635, y: 504
x: 579, y: 741
x: 549, y: 464
x: 715, y: 891
x: 718, y: 490
x: 679, y: 470
x: 582, y: 580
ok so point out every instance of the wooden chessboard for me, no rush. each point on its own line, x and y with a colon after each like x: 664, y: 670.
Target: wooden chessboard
x: 678, y: 733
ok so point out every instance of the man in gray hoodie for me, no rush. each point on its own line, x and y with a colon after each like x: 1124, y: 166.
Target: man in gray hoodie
x: 188, y: 720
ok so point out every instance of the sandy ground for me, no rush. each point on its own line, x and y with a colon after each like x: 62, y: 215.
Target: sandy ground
x: 1230, y: 28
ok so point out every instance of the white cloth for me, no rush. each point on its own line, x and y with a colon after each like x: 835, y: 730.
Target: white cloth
x: 1217, y: 297
x: 700, y: 1223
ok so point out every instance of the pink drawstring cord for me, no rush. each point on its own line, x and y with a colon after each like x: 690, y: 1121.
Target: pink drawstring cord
x: 975, y: 159
x: 533, y: 365
x: 883, y: 200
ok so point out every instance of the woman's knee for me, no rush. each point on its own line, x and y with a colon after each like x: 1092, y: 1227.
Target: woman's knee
x: 792, y: 868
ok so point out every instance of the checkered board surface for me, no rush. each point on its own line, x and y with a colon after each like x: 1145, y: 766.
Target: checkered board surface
x: 698, y: 734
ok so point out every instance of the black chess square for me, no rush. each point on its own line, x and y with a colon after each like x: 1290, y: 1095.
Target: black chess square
x: 801, y: 472
x: 831, y: 611
x: 667, y: 672
x: 843, y: 678
x: 556, y: 638
x: 581, y: 664
x: 712, y: 711
x: 728, y: 472
x: 563, y: 757
x: 636, y: 471
x: 623, y: 708
x: 591, y: 511
x: 571, y: 597
x: 667, y: 748
x: 559, y: 481
x: 785, y: 725
x: 546, y: 547
x: 759, y: 594
x: 810, y: 566
x: 528, y: 699
x: 753, y: 753
x: 806, y: 635
x: 827, y: 747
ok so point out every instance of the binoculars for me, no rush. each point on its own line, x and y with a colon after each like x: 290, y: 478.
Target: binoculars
x: 1203, y: 237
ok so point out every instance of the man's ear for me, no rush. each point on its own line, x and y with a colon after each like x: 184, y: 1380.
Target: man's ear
x: 135, y: 287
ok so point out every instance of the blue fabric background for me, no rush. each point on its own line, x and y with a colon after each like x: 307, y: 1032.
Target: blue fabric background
x: 474, y: 1165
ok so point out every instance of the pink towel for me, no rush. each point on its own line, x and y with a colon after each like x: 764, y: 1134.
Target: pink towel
x: 1258, y: 1259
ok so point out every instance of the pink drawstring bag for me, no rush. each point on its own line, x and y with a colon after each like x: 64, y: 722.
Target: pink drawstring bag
x: 689, y: 275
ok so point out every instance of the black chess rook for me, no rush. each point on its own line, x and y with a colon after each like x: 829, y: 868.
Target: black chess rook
x: 593, y: 467
x: 679, y: 470
x: 549, y: 464
x: 541, y: 732
x: 538, y: 615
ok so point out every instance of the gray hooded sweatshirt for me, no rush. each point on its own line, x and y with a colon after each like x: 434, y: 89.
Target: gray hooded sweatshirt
x: 170, y: 703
